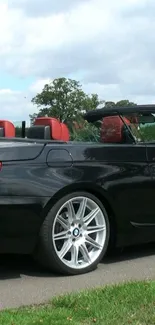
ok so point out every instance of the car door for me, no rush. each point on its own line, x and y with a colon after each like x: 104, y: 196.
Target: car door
x: 126, y: 177
x: 127, y: 172
x: 130, y: 184
x: 123, y: 172
x: 147, y: 134
x: 132, y: 188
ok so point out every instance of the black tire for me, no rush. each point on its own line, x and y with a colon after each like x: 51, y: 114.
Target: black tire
x: 45, y: 252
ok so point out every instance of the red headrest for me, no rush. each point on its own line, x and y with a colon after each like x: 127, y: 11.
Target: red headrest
x: 64, y: 132
x: 111, y: 129
x: 9, y: 129
x: 54, y: 124
x: 59, y: 131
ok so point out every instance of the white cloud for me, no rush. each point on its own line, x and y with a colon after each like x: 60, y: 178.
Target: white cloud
x: 108, y: 45
x: 37, y: 86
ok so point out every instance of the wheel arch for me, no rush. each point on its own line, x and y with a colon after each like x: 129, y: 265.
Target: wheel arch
x: 97, y: 191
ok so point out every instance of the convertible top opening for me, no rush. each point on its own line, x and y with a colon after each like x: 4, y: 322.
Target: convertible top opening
x: 111, y: 125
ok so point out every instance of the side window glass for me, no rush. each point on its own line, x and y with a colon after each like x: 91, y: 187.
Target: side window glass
x: 132, y: 124
x: 143, y: 127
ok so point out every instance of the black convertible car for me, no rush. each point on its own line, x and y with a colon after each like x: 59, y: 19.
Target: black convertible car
x: 67, y: 202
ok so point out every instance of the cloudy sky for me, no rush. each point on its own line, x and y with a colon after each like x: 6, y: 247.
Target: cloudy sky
x: 108, y: 45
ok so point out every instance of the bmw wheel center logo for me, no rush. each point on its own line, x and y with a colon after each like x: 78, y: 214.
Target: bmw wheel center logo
x: 76, y: 232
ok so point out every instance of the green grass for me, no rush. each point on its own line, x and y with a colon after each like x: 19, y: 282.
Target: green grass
x: 131, y: 303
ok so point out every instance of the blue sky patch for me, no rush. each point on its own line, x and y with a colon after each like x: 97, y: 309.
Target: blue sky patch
x: 14, y: 83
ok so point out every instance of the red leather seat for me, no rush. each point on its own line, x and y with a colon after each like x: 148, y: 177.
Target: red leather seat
x: 64, y: 132
x: 59, y: 131
x: 55, y: 127
x: 111, y: 129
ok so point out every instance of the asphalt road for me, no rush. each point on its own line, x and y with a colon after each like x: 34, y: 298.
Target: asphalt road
x: 22, y: 283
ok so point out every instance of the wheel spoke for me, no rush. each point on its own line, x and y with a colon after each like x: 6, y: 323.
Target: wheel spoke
x: 74, y: 254
x: 82, y: 208
x: 65, y: 248
x: 63, y: 222
x: 71, y: 211
x: 85, y: 253
x: 87, y: 219
x: 61, y: 235
x: 94, y: 229
x: 92, y: 242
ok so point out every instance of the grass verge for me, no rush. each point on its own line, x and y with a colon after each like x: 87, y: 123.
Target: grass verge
x: 130, y: 303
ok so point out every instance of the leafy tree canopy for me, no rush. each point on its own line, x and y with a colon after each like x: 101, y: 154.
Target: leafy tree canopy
x: 64, y: 99
x: 122, y: 103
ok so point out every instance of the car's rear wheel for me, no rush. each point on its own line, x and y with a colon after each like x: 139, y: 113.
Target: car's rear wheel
x: 75, y: 234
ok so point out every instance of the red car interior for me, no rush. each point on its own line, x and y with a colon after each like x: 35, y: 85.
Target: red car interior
x: 58, y: 131
x: 112, y: 129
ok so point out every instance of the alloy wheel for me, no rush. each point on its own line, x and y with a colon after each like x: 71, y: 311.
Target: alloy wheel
x: 79, y: 232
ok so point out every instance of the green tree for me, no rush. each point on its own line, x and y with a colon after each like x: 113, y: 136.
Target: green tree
x: 64, y: 99
x: 125, y: 103
x: 121, y: 103
x: 109, y: 104
x: 32, y: 117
